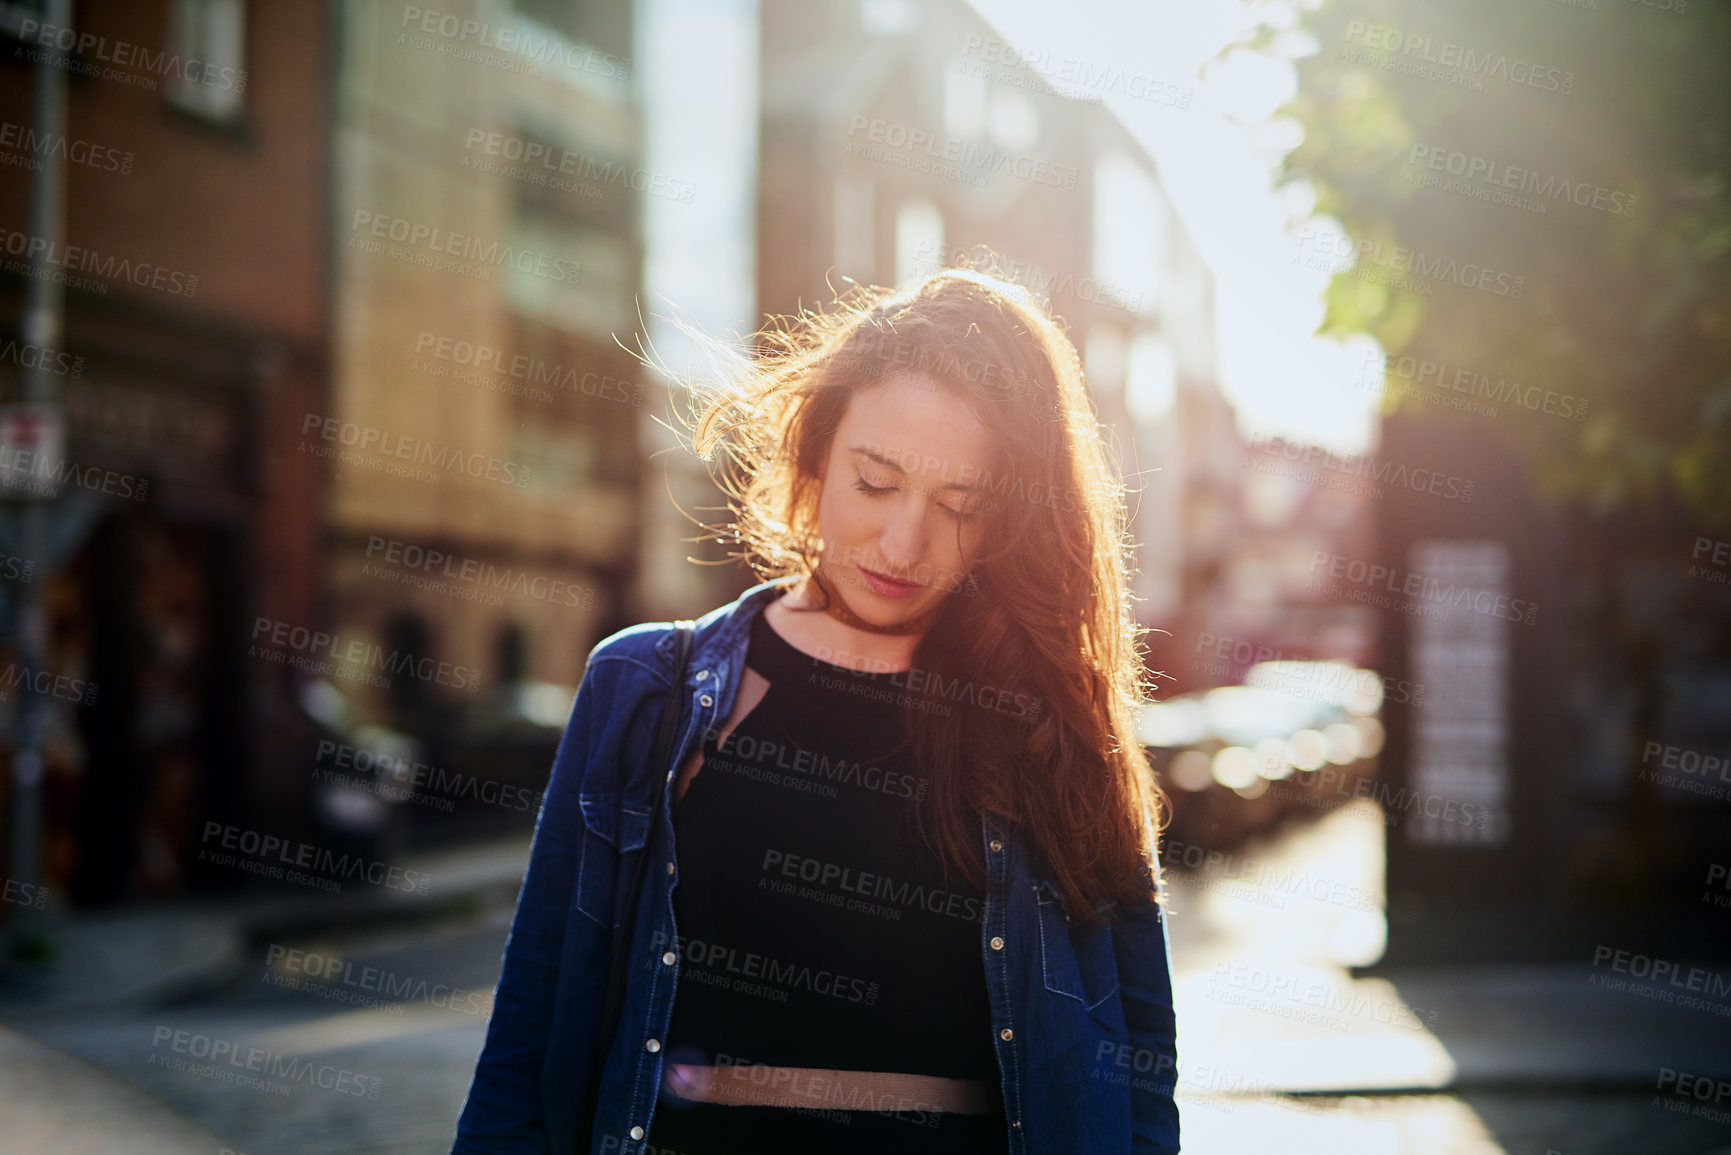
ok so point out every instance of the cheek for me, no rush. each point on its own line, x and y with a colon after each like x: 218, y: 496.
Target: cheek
x: 974, y: 541
x: 952, y: 547
x: 838, y: 512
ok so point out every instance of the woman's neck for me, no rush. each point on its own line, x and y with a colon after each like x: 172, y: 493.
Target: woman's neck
x: 799, y: 617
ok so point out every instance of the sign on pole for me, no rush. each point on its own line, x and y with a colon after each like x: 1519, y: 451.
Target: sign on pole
x: 32, y: 451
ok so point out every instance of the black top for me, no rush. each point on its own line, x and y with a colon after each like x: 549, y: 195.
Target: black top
x: 816, y: 927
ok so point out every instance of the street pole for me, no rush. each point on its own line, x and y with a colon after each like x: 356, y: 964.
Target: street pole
x: 43, y: 326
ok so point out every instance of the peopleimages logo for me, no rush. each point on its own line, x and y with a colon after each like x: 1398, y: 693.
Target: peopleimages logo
x: 541, y: 161
x: 46, y: 683
x: 28, y: 894
x: 127, y: 55
x: 34, y: 471
x: 520, y: 41
x: 835, y: 876
x: 73, y: 259
x: 1314, y: 1000
x: 438, y: 242
x: 32, y: 356
x: 779, y: 977
x: 1376, y: 469
x: 308, y: 643
x: 370, y: 980
x: 366, y: 438
x: 1672, y: 973
x: 1037, y: 279
x: 1424, y: 589
x: 269, y: 1064
x: 972, y: 156
x: 1074, y: 77
x: 1426, y: 374
x: 1506, y: 176
x: 1225, y: 655
x: 1393, y: 803
x: 531, y: 371
x: 267, y: 854
x: 816, y: 765
x: 34, y: 147
x: 400, y: 779
x: 1717, y: 566
x: 423, y: 562
x: 1450, y: 54
x: 1396, y: 260
x: 1009, y: 486
x: 1695, y: 769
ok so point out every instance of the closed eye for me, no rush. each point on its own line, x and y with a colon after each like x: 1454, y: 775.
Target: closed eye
x: 966, y: 514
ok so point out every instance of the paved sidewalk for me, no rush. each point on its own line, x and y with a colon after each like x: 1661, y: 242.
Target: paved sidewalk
x: 1281, y: 1046
x: 1267, y: 1002
x: 157, y: 953
x: 52, y: 1103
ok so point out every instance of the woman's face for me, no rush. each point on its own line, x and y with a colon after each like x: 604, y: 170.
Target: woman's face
x: 904, y: 502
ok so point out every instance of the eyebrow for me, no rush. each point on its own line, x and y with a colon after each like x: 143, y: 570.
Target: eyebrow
x: 867, y: 451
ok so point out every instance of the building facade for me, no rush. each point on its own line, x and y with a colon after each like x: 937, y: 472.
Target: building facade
x: 899, y: 139
x: 195, y: 333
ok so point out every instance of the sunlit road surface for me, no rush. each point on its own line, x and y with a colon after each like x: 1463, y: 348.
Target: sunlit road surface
x: 415, y: 1056
x: 1261, y: 941
x: 52, y: 1103
x: 1265, y: 1006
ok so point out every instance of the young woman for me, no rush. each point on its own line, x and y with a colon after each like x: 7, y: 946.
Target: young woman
x: 903, y: 893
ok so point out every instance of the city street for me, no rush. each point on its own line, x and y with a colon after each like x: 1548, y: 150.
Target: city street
x: 391, y: 1078
x: 414, y: 1055
x: 1324, y: 407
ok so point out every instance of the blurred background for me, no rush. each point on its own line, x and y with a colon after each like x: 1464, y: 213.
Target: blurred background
x: 326, y: 454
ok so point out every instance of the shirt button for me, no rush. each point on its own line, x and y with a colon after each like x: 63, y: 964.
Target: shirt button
x: 997, y: 944
x: 1006, y: 1034
x: 996, y: 845
x: 706, y: 700
x: 703, y: 675
x: 652, y: 1046
x: 669, y: 868
x: 669, y: 958
x: 637, y: 1132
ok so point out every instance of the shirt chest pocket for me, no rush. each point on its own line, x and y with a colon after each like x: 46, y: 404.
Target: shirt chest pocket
x: 1076, y: 961
x: 611, y: 826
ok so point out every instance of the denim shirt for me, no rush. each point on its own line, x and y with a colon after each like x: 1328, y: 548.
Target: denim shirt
x: 1082, y: 1016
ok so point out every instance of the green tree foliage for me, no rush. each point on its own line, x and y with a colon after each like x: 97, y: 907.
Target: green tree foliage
x: 1588, y: 154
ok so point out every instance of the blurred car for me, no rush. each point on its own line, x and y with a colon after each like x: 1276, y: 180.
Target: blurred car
x: 1235, y: 760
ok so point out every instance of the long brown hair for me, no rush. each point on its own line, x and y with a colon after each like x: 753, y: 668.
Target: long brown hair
x: 1047, y: 598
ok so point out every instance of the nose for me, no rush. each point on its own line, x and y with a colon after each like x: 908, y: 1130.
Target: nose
x: 903, y: 540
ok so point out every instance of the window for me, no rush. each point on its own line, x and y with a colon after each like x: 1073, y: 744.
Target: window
x: 855, y: 244
x: 205, y: 75
x: 1132, y: 234
x: 919, y: 239
x: 965, y: 93
x: 1103, y: 358
x: 579, y: 279
x: 605, y: 25
x: 1151, y: 382
x: 887, y: 17
x: 1012, y: 121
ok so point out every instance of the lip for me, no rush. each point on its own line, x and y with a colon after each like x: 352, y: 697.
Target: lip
x: 888, y: 586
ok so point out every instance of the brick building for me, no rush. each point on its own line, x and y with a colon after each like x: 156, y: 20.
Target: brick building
x: 195, y: 331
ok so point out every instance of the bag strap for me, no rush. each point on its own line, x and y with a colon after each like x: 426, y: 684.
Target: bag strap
x: 616, y: 974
